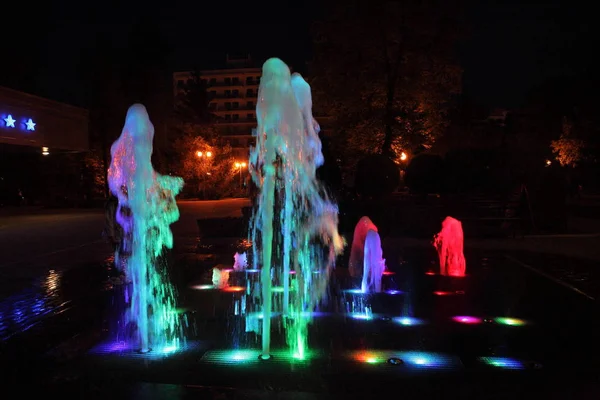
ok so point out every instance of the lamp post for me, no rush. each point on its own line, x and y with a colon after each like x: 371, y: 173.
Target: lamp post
x: 240, y: 166
x: 204, y: 158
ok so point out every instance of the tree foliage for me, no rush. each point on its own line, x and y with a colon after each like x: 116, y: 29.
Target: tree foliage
x: 193, y: 130
x: 385, y: 70
x: 213, y: 176
x: 568, y: 149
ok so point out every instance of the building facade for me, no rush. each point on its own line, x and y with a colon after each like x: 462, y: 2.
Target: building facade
x: 37, y: 139
x: 32, y: 121
x: 233, y: 92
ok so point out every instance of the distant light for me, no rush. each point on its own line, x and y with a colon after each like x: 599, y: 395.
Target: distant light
x: 243, y: 165
x: 30, y: 125
x: 45, y: 151
x: 361, y: 316
x: 548, y: 162
x: 354, y: 291
x: 199, y: 154
x: 465, y: 319
x: 403, y: 156
x: 203, y: 287
x: 10, y: 122
x: 408, y: 321
x: 388, y: 273
x: 430, y: 273
x: 237, y: 164
x: 209, y: 154
x: 393, y: 291
x: 509, y: 321
x: 503, y: 362
x: 233, y: 289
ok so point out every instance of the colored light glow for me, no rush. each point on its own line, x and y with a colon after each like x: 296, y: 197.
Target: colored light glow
x: 10, y: 121
x: 430, y: 273
x: 260, y: 315
x: 419, y: 360
x: 354, y: 291
x: 393, y: 292
x: 361, y: 316
x: 233, y: 289
x: 203, y: 287
x: 389, y: 273
x: 503, y: 362
x: 292, y: 272
x: 465, y: 319
x: 442, y: 293
x: 127, y: 349
x: 30, y: 125
x: 509, y: 321
x: 252, y: 271
x: 248, y: 357
x: 368, y: 357
x: 408, y: 321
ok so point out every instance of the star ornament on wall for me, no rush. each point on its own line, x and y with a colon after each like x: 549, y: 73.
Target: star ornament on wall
x: 30, y: 125
x: 10, y: 122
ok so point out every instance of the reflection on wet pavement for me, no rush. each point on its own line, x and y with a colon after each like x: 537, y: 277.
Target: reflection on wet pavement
x: 581, y: 274
x: 23, y: 310
x: 49, y: 295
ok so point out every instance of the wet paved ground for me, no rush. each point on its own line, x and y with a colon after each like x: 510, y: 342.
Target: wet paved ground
x: 442, y: 329
x: 559, y: 334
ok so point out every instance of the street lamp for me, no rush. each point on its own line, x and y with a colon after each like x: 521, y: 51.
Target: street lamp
x: 200, y: 154
x: 204, y: 156
x: 240, y: 166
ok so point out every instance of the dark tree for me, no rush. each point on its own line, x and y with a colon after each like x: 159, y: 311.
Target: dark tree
x: 386, y: 71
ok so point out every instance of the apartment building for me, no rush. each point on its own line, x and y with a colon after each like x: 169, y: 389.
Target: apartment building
x: 233, y: 91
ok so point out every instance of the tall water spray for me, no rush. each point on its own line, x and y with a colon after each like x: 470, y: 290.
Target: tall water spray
x: 146, y: 210
x: 374, y: 263
x: 294, y: 225
x: 449, y: 245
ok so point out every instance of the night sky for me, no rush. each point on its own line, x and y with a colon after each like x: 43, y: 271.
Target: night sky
x: 511, y: 47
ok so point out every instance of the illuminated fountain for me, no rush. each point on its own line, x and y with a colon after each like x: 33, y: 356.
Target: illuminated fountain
x: 146, y: 209
x: 374, y: 264
x: 449, y: 245
x: 355, y: 267
x: 293, y: 221
x: 220, y: 278
x: 240, y: 261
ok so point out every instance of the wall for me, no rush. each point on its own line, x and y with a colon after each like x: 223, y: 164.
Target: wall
x: 57, y: 125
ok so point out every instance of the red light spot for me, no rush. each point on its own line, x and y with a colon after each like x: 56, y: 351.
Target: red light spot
x: 430, y: 273
x: 233, y: 289
x: 389, y: 273
x: 442, y: 293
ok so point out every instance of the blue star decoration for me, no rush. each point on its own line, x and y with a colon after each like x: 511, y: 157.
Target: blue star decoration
x: 10, y: 122
x: 30, y: 125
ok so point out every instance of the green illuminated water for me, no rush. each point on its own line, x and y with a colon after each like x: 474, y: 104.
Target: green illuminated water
x: 151, y: 199
x: 294, y: 225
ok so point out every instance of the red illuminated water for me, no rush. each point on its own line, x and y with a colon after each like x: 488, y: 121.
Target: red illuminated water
x: 449, y: 245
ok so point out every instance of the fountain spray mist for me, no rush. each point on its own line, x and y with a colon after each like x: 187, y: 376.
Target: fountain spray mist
x: 294, y: 225
x: 146, y: 210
